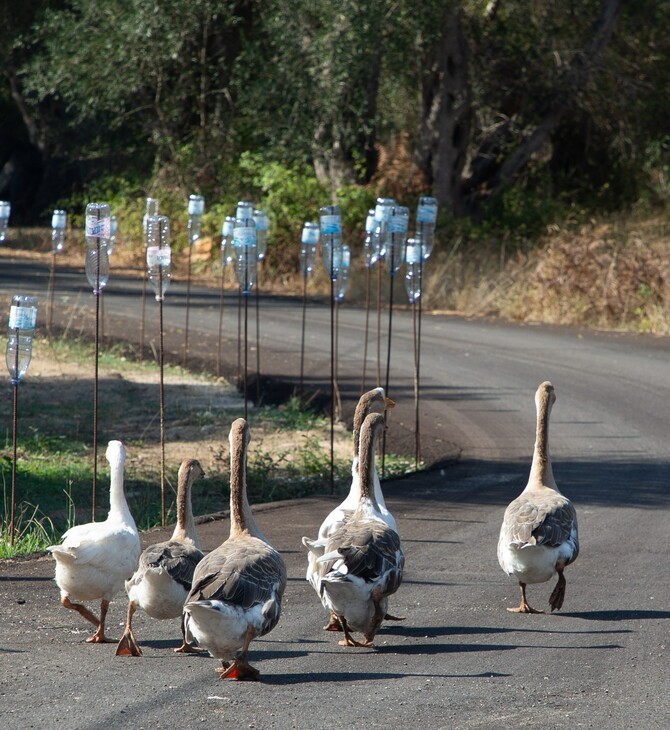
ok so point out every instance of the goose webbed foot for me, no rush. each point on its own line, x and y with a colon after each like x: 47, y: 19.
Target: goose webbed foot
x: 524, y: 606
x: 127, y: 645
x: 558, y: 594
x: 389, y: 617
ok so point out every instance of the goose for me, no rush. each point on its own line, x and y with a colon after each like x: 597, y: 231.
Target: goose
x: 538, y: 537
x: 362, y: 561
x: 163, y: 579
x: 237, y: 588
x: 93, y: 560
x: 337, y: 517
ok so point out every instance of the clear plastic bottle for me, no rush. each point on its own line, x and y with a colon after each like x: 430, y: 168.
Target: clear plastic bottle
x: 20, y: 329
x: 398, y: 224
x: 159, y: 254
x: 414, y: 270
x: 426, y: 219
x: 196, y: 209
x: 383, y: 211
x: 309, y: 240
x: 246, y: 256
x: 98, y: 226
x: 152, y: 208
x: 330, y: 218
x: 261, y: 219
x: 58, y: 226
x: 370, y: 242
x: 5, y: 210
x: 342, y: 281
x: 113, y: 226
x: 227, y: 249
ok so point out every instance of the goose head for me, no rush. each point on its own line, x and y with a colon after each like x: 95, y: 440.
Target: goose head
x: 374, y: 398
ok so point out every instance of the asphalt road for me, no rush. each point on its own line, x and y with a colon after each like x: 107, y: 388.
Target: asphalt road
x: 459, y: 660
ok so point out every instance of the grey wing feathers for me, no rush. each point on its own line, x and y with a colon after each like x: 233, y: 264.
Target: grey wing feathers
x: 369, y: 549
x: 243, y: 574
x: 175, y: 557
x: 548, y: 521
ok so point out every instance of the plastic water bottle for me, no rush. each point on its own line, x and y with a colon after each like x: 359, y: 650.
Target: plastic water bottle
x: 152, y: 208
x: 98, y: 231
x: 196, y: 209
x: 227, y: 250
x: 5, y: 210
x: 159, y: 254
x: 383, y: 211
x: 426, y: 219
x: 113, y: 225
x: 397, y: 236
x: 414, y: 271
x: 330, y: 218
x: 246, y: 255
x: 261, y: 219
x: 342, y: 281
x: 58, y: 226
x: 244, y: 210
x: 370, y: 247
x: 309, y: 240
x: 20, y: 329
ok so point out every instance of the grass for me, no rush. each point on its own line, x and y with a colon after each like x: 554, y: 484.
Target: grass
x: 288, y: 456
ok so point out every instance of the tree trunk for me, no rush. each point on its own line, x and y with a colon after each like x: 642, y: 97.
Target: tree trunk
x: 444, y: 131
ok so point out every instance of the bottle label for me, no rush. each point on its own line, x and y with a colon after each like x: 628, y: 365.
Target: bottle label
x: 331, y: 224
x: 426, y: 214
x: 22, y: 318
x: 158, y: 256
x: 98, y: 227
x: 398, y: 224
x: 413, y: 254
x: 310, y: 236
x: 244, y: 237
x: 196, y: 206
x: 59, y: 219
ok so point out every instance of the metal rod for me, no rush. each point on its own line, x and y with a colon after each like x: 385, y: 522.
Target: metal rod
x: 246, y: 328
x: 338, y: 401
x: 188, y: 302
x: 97, y: 294
x: 379, y: 324
x: 332, y: 372
x: 52, y: 277
x: 302, y: 339
x: 239, y: 336
x: 388, y: 358
x: 161, y: 363
x: 367, y: 327
x: 218, y: 352
x: 417, y: 377
x: 143, y: 307
x: 15, y: 421
x: 258, y: 337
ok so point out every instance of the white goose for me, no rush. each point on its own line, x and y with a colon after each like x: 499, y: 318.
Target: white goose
x: 237, y: 588
x: 93, y: 560
x: 163, y: 579
x: 362, y: 561
x: 538, y: 537
x: 337, y: 517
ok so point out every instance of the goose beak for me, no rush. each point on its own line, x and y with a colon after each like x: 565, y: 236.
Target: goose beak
x: 388, y: 403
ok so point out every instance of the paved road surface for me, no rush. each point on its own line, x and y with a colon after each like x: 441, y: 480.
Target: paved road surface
x: 460, y: 660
